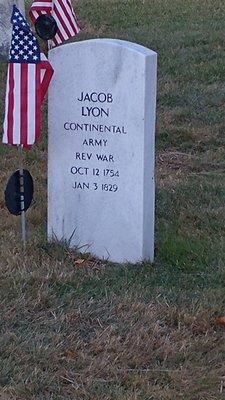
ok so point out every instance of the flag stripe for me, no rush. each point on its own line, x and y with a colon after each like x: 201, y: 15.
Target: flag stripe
x: 36, y: 15
x: 17, y: 104
x: 59, y: 38
x: 62, y: 26
x: 42, y: 4
x: 45, y: 77
x: 6, y: 119
x: 61, y: 9
x: 24, y: 105
x: 31, y: 104
x: 56, y: 40
x: 59, y: 21
x: 38, y: 101
x: 71, y: 16
x: 10, y: 104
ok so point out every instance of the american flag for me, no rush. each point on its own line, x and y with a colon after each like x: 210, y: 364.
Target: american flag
x: 29, y: 75
x: 64, y: 15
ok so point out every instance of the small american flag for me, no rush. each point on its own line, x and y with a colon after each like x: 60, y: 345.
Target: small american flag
x: 64, y: 15
x: 29, y: 75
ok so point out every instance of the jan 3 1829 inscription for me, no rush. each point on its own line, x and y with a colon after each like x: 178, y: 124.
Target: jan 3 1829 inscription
x: 101, y: 148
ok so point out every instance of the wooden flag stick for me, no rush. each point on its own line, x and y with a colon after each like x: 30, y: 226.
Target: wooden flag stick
x: 22, y: 204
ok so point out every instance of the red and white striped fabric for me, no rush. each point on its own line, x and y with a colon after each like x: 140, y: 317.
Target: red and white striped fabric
x: 64, y: 15
x: 26, y: 87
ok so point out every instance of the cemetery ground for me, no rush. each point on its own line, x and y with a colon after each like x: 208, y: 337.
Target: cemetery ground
x: 73, y: 327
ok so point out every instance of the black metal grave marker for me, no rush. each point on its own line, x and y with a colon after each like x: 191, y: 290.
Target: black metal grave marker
x: 46, y: 26
x: 19, y: 192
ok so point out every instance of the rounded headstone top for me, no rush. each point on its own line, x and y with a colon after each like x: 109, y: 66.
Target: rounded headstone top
x: 5, y: 25
x: 113, y: 42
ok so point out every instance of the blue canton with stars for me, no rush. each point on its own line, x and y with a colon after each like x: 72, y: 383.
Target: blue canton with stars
x: 24, y: 45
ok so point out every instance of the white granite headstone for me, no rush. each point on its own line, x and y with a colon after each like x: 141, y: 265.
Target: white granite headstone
x: 101, y: 186
x: 6, y: 7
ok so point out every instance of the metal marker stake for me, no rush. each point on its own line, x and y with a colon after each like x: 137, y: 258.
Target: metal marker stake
x: 22, y: 204
x: 50, y: 44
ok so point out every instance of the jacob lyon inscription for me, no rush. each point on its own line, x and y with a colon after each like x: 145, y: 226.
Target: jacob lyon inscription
x: 101, y: 148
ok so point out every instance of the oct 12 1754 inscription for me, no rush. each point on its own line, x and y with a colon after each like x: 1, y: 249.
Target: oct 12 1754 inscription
x: 101, y: 148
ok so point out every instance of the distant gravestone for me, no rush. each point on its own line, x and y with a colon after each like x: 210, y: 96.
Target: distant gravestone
x: 101, y: 148
x: 5, y: 25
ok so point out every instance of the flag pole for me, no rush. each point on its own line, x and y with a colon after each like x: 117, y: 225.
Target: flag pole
x: 50, y: 46
x: 22, y: 203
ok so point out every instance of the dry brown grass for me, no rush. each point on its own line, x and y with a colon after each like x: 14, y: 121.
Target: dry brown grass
x: 59, y: 341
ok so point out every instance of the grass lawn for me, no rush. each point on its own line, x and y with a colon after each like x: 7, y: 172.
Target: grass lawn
x: 97, y: 331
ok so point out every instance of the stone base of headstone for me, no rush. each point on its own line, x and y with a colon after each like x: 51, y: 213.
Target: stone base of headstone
x: 101, y: 185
